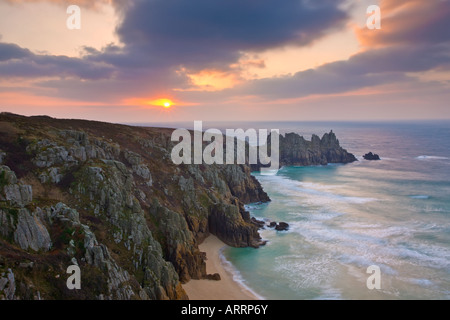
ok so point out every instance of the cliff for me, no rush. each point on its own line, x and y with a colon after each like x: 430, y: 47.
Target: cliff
x: 109, y: 199
x: 297, y: 151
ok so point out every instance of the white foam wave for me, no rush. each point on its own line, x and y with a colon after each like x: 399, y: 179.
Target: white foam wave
x: 420, y: 196
x: 425, y: 157
x: 315, y: 193
x: 329, y: 293
x: 377, y: 231
x: 306, y: 271
x: 237, y: 276
x: 420, y: 282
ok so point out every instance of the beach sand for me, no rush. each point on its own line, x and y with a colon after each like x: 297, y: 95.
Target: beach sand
x: 226, y: 288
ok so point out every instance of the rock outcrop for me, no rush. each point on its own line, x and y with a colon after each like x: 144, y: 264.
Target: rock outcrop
x: 297, y: 151
x: 7, y: 285
x: 18, y: 194
x: 31, y: 232
x: 371, y: 156
x: 282, y: 226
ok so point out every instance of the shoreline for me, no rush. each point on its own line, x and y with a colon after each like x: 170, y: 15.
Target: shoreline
x: 226, y: 288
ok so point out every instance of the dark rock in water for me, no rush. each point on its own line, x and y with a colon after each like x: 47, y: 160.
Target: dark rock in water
x: 371, y: 156
x: 214, y: 277
x: 263, y: 243
x: 273, y: 224
x: 282, y: 226
x: 260, y: 224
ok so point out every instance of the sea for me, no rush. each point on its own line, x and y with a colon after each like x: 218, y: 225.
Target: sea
x: 393, y: 214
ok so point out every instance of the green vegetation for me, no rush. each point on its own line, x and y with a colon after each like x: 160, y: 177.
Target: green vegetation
x: 14, y: 213
x: 204, y: 200
x: 66, y: 236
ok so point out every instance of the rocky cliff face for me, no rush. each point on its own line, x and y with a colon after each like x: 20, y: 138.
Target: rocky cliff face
x: 109, y: 199
x: 297, y: 151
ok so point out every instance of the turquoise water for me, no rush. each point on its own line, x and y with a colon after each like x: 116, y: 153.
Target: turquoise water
x: 393, y: 213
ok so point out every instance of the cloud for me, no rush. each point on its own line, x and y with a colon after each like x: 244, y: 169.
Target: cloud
x: 19, y: 62
x: 160, y: 37
x: 414, y: 39
x: 10, y: 51
x: 414, y: 22
x: 367, y: 69
x: 202, y: 33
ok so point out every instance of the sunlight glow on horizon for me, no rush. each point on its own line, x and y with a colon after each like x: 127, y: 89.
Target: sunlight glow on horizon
x: 166, y: 103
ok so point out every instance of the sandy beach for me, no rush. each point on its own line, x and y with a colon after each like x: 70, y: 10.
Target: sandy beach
x: 226, y: 288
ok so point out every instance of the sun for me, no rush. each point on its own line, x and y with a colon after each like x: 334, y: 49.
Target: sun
x: 165, y: 103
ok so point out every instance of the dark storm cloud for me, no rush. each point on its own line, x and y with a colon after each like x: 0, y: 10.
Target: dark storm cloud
x: 10, y: 51
x: 19, y: 62
x: 200, y: 32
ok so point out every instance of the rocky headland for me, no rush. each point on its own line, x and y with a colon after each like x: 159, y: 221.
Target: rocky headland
x: 295, y: 150
x: 109, y: 199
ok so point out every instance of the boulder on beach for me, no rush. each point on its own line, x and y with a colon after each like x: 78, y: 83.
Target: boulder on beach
x: 213, y: 277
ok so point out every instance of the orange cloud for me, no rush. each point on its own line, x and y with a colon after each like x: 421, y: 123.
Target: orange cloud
x: 84, y: 3
x: 12, y: 99
x: 255, y: 63
x: 212, y: 80
x: 406, y: 21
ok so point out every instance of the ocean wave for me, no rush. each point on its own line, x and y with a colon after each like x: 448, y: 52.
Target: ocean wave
x: 237, y: 276
x: 338, y: 239
x: 379, y: 233
x: 329, y: 293
x: 330, y: 229
x: 421, y: 254
x: 305, y: 271
x: 420, y: 196
x: 315, y: 193
x: 363, y: 262
x: 318, y: 186
x: 419, y: 282
x: 431, y: 158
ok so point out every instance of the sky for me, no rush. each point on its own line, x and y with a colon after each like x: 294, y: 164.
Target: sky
x: 138, y: 61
